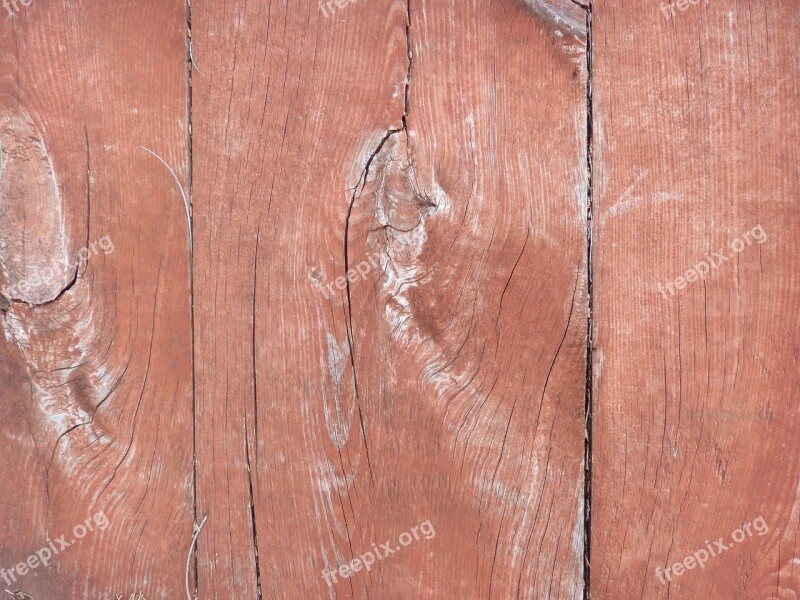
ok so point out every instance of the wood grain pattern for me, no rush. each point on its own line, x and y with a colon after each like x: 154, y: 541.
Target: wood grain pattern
x: 96, y: 352
x: 694, y: 422
x: 446, y: 383
x: 366, y: 332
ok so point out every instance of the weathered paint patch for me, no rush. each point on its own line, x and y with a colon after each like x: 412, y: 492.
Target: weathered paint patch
x: 337, y: 420
x: 564, y: 16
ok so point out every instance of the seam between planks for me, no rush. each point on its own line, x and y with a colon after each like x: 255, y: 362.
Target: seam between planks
x: 587, y: 505
x: 189, y: 73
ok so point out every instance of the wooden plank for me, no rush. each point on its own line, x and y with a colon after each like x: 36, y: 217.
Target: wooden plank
x: 445, y: 381
x: 694, y: 427
x: 95, y: 358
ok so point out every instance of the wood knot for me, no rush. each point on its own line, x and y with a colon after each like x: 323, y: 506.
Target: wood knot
x: 34, y: 244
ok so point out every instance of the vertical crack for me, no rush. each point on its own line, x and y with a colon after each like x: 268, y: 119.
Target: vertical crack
x: 587, y: 485
x: 410, y: 57
x: 252, y: 507
x: 349, y: 327
x: 255, y: 422
x: 362, y: 181
x: 88, y: 188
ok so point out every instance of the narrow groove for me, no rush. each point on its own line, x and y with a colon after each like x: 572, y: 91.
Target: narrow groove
x: 410, y: 57
x: 587, y: 484
x: 189, y: 66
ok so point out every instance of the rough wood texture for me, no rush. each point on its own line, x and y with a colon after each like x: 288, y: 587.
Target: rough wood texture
x: 447, y: 383
x: 365, y: 333
x: 695, y: 420
x: 95, y: 359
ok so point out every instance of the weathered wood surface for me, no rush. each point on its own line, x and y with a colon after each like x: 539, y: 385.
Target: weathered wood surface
x: 695, y: 405
x: 445, y: 383
x: 95, y: 361
x: 433, y: 402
